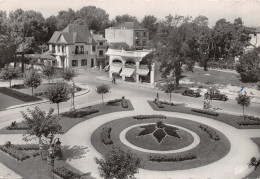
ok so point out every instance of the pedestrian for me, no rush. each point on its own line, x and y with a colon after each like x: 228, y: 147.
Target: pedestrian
x: 114, y: 80
x: 157, y: 96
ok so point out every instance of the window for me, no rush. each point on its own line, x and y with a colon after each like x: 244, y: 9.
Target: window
x: 144, y: 43
x: 84, y: 62
x: 53, y: 49
x: 62, y: 48
x: 58, y: 48
x: 137, y: 43
x: 76, y: 49
x: 92, y: 62
x: 137, y: 34
x: 81, y: 49
x: 144, y: 34
x: 101, y: 53
x: 93, y: 48
x: 74, y: 63
x: 101, y: 43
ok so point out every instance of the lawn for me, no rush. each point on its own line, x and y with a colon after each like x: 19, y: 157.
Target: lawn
x: 225, y: 118
x: 67, y: 123
x: 7, y: 101
x: 18, y: 95
x: 212, y: 77
x: 207, y: 151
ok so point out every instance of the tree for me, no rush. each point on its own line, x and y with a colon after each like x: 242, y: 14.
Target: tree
x: 102, y: 89
x: 41, y: 124
x: 149, y: 22
x: 64, y: 18
x: 248, y: 68
x: 48, y: 71
x: 68, y: 74
x: 50, y: 26
x: 58, y: 93
x: 243, y: 100
x: 125, y: 18
x: 32, y: 79
x: 169, y: 88
x: 118, y: 164
x: 10, y: 74
x: 27, y: 31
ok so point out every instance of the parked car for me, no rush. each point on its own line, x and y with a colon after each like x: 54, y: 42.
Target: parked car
x: 192, y: 93
x: 216, y: 95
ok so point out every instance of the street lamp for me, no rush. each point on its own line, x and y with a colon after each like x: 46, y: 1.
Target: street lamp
x: 53, y: 146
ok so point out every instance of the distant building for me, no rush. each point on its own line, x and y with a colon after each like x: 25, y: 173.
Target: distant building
x: 76, y: 46
x: 127, y: 47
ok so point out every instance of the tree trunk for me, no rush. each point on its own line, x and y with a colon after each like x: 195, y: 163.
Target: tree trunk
x: 10, y: 83
x: 177, y: 81
x: 32, y: 91
x: 58, y: 107
x: 102, y: 99
x: 244, y: 111
x: 22, y: 62
x: 170, y: 97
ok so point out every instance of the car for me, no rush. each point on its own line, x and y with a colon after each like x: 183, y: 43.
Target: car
x: 216, y: 95
x: 192, y: 93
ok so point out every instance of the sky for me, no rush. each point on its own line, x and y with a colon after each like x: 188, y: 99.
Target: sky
x: 248, y: 10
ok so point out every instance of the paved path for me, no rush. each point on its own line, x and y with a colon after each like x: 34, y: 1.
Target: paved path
x: 233, y: 165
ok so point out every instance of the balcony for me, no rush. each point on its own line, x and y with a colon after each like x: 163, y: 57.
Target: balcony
x: 79, y: 52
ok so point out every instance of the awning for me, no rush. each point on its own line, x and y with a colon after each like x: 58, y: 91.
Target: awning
x: 142, y: 72
x: 127, y: 72
x: 115, y: 69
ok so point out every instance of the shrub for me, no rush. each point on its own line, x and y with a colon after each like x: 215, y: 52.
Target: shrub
x: 176, y: 158
x: 249, y: 123
x: 66, y: 174
x: 148, y: 129
x: 105, y: 136
x: 252, y: 118
x: 159, y: 134
x: 15, y: 153
x: 158, y: 103
x: 124, y: 103
x: 114, y: 101
x: 212, y: 133
x: 149, y: 116
x: 170, y: 130
x: 167, y: 103
x: 35, y: 154
x: 76, y: 114
x: 212, y: 113
x: 26, y: 146
x: 18, y: 126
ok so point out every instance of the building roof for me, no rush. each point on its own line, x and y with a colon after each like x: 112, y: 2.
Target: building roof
x: 98, y: 37
x: 129, y: 25
x: 73, y: 34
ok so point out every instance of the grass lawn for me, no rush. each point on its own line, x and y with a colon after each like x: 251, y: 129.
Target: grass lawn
x: 225, y: 118
x: 34, y: 167
x: 207, y: 151
x: 215, y: 77
x: 18, y: 95
x: 255, y: 173
x: 7, y: 101
x: 67, y: 123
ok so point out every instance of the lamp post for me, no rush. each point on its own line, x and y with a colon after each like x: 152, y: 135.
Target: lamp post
x: 53, y: 144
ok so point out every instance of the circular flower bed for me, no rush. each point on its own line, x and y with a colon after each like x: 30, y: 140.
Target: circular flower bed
x: 208, y: 150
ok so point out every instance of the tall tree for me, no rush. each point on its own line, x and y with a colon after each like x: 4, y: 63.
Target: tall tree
x: 51, y: 26
x: 244, y: 100
x: 58, y: 93
x: 149, y: 22
x: 102, y: 89
x: 9, y: 74
x: 27, y: 30
x: 65, y: 18
x: 32, y: 79
x: 118, y: 164
x: 95, y: 18
x: 125, y: 18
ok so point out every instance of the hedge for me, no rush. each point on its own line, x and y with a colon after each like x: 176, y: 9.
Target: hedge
x: 159, y: 104
x: 26, y: 146
x: 18, y: 126
x: 114, y: 101
x: 248, y: 123
x: 66, y: 174
x: 159, y: 134
x: 76, y: 114
x: 149, y: 116
x: 212, y: 133
x: 15, y: 153
x: 212, y: 113
x: 167, y: 103
x: 177, y: 158
x: 252, y: 118
x: 148, y: 129
x: 105, y: 136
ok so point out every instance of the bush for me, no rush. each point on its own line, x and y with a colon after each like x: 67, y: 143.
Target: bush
x: 167, y: 103
x: 149, y: 116
x: 170, y: 130
x: 158, y: 103
x: 212, y: 113
x: 15, y: 153
x: 105, y: 136
x: 159, y: 134
x: 177, y: 158
x: 65, y: 173
x: 26, y: 146
x: 76, y: 114
x: 124, y: 103
x: 18, y: 126
x: 114, y: 101
x: 249, y: 123
x: 252, y: 118
x: 148, y: 129
x: 212, y: 133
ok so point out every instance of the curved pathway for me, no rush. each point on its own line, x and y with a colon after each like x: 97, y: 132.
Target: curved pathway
x: 233, y: 165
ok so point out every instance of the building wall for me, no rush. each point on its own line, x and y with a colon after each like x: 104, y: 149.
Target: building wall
x: 120, y: 35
